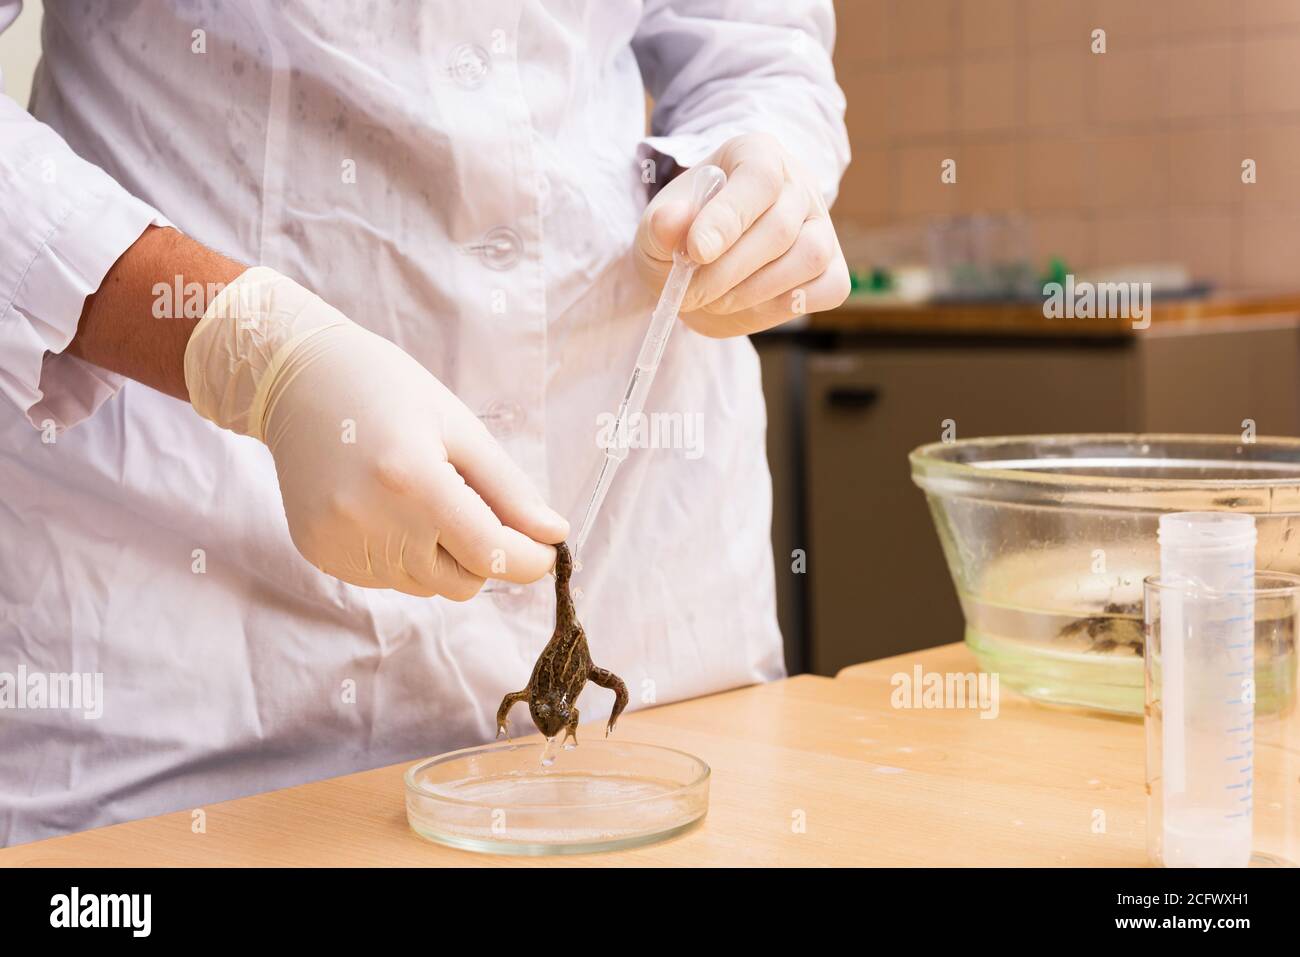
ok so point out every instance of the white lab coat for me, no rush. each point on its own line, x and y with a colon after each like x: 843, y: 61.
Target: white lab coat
x: 465, y: 179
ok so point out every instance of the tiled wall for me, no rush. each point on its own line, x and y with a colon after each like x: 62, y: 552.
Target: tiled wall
x: 1133, y: 155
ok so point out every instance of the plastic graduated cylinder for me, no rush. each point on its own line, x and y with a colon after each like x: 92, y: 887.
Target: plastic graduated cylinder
x: 1207, y: 636
x: 708, y: 181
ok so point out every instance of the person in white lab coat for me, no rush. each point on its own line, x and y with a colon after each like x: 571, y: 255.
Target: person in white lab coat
x: 457, y: 227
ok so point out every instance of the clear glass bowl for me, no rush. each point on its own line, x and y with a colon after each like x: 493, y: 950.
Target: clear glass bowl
x: 1048, y: 540
x: 600, y: 796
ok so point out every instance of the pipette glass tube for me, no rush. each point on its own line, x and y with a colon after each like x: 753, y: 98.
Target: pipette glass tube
x: 1207, y: 642
x: 708, y: 180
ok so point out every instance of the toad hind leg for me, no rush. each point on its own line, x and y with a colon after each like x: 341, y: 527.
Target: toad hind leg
x: 607, y: 679
x: 508, y: 702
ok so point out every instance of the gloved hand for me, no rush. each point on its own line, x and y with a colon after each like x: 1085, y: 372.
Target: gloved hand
x: 765, y: 244
x: 388, y: 480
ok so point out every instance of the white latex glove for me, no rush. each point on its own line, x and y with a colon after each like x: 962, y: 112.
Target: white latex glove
x: 388, y: 480
x: 766, y: 245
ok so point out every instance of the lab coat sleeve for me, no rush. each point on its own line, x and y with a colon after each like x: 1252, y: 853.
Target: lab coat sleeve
x: 63, y: 223
x: 717, y: 69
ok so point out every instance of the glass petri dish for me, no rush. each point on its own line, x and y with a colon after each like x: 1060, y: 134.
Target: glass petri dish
x: 600, y: 796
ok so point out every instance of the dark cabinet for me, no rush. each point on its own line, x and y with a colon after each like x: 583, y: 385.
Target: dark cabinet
x: 844, y: 414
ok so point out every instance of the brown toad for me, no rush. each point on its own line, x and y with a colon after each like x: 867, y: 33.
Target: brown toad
x: 563, y: 669
x: 1118, y: 629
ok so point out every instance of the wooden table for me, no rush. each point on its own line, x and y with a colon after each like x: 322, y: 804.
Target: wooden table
x: 807, y: 771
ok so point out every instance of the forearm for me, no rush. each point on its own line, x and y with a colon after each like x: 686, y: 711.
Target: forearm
x: 714, y: 74
x: 128, y: 328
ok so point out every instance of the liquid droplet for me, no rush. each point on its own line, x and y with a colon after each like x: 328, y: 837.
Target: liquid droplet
x: 548, y: 753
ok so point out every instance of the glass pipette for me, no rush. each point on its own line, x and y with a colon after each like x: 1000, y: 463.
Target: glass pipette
x: 708, y: 180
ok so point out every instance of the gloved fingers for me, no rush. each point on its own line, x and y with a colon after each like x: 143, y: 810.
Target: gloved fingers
x: 502, y: 484
x: 429, y: 569
x: 471, y: 532
x: 755, y: 177
x: 771, y: 236
x: 826, y: 291
x: 404, y: 565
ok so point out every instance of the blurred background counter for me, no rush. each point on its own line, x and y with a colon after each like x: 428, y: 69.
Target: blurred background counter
x: 850, y: 393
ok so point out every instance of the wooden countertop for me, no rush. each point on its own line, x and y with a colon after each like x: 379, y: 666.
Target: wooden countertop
x: 875, y: 785
x: 860, y: 315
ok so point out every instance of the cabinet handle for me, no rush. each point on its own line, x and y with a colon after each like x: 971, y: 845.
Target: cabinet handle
x: 852, y: 398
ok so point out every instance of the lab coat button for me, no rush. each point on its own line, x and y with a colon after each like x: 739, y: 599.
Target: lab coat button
x: 469, y: 65
x: 502, y: 417
x: 500, y: 248
x: 509, y: 595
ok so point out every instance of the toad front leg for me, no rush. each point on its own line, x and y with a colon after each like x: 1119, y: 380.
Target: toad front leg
x: 508, y: 702
x: 607, y: 679
x: 571, y: 730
